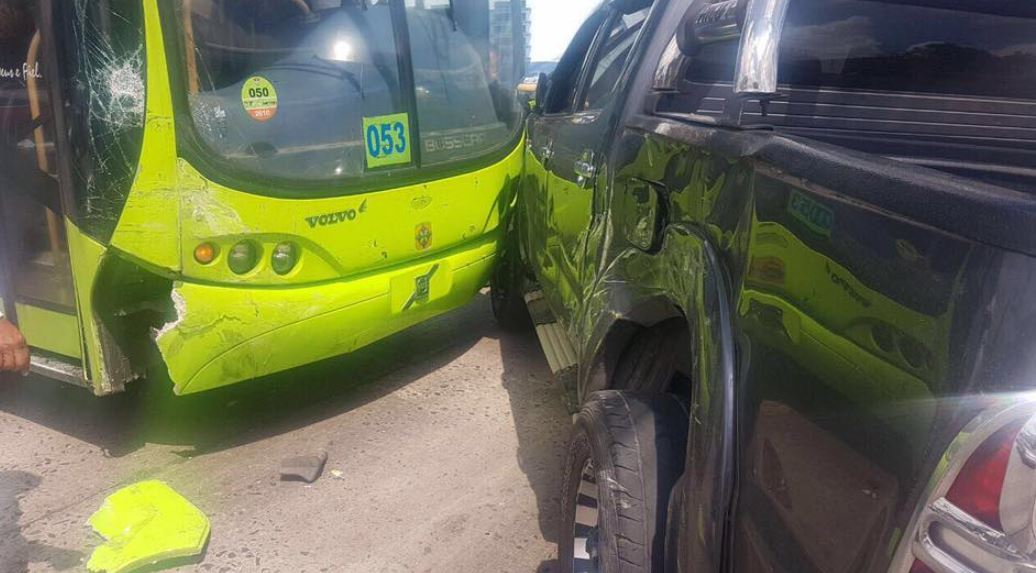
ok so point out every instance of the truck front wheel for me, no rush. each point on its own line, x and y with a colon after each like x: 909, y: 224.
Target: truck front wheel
x: 626, y: 452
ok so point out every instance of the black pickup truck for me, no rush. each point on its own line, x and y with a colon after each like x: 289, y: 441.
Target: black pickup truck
x: 782, y: 255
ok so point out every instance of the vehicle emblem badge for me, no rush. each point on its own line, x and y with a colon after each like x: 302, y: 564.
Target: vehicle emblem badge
x: 423, y: 236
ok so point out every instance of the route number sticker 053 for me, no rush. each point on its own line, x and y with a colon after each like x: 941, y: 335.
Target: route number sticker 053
x: 387, y: 140
x: 259, y: 98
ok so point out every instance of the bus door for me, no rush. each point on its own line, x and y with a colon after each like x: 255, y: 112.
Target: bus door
x: 36, y: 282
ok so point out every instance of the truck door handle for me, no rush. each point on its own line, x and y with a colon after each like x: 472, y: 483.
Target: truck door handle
x: 586, y: 171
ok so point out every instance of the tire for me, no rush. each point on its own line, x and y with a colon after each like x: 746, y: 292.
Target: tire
x: 651, y: 361
x: 506, y: 293
x: 634, y: 443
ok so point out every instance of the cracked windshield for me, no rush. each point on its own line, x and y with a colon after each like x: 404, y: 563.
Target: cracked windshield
x: 544, y: 286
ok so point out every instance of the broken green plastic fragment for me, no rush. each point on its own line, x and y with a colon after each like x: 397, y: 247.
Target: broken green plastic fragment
x: 145, y: 524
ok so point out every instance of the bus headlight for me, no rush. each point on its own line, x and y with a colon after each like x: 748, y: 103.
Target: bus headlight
x: 284, y: 257
x: 243, y: 257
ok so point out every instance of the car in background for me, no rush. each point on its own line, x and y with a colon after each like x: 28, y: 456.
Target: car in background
x: 781, y: 256
x: 532, y: 75
x: 527, y: 87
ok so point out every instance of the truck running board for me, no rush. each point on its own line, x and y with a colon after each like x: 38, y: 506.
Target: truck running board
x: 561, y: 357
x: 557, y: 348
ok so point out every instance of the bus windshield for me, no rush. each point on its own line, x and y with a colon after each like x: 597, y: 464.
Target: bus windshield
x: 325, y: 89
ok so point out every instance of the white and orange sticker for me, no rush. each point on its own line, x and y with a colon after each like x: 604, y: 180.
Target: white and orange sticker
x: 259, y: 98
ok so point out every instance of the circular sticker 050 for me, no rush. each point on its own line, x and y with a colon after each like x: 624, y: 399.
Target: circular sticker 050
x: 259, y: 98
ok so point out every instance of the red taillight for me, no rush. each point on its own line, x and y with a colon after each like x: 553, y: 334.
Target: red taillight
x: 920, y: 567
x: 978, y: 485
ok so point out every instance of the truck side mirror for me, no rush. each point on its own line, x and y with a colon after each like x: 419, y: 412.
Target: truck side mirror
x: 541, y: 92
x: 758, y: 24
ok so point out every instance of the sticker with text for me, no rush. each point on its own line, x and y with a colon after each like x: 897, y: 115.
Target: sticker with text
x: 387, y: 140
x: 23, y: 73
x: 259, y: 98
x: 812, y: 213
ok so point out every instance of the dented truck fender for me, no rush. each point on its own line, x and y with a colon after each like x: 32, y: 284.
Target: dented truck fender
x: 684, y: 279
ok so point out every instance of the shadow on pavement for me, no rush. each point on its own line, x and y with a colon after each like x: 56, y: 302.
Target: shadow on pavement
x: 542, y: 424
x: 16, y: 552
x: 223, y: 418
x: 251, y: 411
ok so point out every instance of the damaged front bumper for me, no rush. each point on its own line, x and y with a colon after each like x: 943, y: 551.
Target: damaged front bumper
x: 227, y: 334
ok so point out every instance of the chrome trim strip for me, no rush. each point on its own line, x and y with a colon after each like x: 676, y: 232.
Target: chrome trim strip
x: 1001, y: 554
x: 670, y: 66
x: 945, y: 513
x: 1026, y: 443
x: 756, y: 71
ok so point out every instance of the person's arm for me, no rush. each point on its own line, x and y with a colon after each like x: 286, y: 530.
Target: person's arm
x: 14, y: 352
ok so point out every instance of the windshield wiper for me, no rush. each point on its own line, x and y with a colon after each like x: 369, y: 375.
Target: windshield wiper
x: 326, y: 67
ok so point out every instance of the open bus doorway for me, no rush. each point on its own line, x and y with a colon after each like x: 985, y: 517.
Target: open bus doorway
x: 37, y: 285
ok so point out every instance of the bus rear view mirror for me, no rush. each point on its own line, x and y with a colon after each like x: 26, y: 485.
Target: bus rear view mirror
x: 756, y: 23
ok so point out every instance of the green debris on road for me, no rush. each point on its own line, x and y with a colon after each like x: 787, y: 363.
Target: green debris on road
x: 145, y: 524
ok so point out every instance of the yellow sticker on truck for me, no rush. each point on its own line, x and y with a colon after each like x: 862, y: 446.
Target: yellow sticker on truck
x: 259, y: 98
x: 387, y: 139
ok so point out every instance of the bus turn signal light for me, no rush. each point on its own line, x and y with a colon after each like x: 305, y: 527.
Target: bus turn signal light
x: 205, y: 253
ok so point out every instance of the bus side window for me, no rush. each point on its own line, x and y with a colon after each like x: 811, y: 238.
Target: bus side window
x: 465, y: 74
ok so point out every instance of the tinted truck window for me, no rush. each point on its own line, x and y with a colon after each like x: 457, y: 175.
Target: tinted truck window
x: 861, y: 44
x: 950, y: 87
x: 613, y: 57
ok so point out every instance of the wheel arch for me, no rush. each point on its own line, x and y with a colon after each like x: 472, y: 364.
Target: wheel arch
x: 690, y: 283
x: 619, y: 330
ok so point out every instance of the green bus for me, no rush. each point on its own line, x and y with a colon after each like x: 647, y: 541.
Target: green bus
x: 224, y: 189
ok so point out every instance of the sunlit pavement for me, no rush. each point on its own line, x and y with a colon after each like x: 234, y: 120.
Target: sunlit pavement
x: 444, y: 454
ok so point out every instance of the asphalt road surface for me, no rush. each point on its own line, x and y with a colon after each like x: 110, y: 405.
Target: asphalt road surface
x: 444, y: 452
